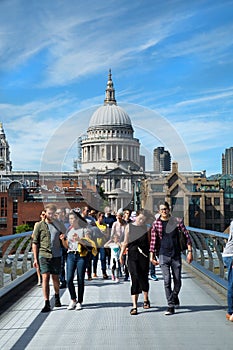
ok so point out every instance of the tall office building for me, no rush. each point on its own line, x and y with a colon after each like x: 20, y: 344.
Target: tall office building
x: 162, y: 160
x: 227, y: 162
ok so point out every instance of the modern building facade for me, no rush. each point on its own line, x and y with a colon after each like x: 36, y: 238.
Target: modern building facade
x: 162, y: 160
x: 227, y: 162
x: 190, y: 195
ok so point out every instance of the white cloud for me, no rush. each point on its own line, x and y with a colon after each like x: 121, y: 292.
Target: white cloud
x: 209, y: 97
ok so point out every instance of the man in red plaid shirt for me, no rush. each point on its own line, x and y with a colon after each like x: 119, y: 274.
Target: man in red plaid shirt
x: 165, y: 245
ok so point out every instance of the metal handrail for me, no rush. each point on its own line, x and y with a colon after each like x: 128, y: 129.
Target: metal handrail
x: 18, y: 244
x: 207, y: 253
x: 207, y: 249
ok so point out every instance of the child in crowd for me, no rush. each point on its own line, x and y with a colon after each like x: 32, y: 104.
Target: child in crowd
x: 115, y: 247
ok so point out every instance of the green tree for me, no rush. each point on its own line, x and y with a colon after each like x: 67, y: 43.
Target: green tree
x: 23, y: 228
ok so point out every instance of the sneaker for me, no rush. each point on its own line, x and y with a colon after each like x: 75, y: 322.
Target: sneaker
x: 78, y: 306
x: 126, y: 278
x: 46, y: 308
x: 117, y: 280
x: 113, y: 278
x: 105, y: 276
x: 170, y: 311
x: 57, y: 302
x: 154, y: 277
x: 89, y: 279
x: 176, y: 302
x: 95, y: 275
x: 72, y: 305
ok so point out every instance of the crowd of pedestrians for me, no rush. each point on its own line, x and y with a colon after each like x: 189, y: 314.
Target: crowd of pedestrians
x: 129, y: 245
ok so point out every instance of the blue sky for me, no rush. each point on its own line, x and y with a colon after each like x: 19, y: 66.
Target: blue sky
x: 172, y: 68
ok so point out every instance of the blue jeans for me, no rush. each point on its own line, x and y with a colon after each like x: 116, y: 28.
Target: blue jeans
x: 102, y: 259
x: 170, y: 266
x: 228, y: 262
x: 75, y: 262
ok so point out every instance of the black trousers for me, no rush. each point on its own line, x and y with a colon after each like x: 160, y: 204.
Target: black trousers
x: 139, y: 268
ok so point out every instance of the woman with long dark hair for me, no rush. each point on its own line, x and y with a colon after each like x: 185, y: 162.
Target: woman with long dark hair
x: 77, y: 253
x: 137, y: 240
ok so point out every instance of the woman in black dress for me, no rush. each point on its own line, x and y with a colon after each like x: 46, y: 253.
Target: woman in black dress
x: 137, y: 241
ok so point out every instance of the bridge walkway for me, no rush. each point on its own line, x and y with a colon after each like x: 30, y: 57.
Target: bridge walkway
x: 105, y: 322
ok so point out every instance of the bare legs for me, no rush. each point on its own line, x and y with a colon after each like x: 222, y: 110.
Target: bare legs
x: 45, y: 284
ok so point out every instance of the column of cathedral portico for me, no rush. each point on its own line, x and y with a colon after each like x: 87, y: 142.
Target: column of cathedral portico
x: 95, y: 153
x: 108, y: 185
x: 105, y: 184
x: 111, y: 158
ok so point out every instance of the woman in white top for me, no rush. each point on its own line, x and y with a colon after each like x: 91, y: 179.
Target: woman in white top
x: 74, y: 241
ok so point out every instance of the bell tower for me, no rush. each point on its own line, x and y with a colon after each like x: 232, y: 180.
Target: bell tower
x: 5, y: 162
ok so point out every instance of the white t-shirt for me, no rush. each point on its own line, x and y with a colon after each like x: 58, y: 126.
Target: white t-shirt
x: 72, y: 235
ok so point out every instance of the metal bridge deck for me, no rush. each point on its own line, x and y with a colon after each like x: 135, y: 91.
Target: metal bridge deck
x: 105, y: 322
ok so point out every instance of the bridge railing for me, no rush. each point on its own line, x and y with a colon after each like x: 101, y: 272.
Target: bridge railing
x: 15, y: 256
x: 207, y: 257
x: 207, y: 249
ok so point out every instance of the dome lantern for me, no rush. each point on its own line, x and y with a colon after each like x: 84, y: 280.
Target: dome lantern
x: 110, y: 91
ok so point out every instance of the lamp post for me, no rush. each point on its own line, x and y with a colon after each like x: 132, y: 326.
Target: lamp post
x: 136, y: 195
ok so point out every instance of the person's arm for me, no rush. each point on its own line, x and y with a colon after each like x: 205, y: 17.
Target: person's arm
x: 64, y: 240
x: 107, y: 232
x: 35, y: 242
x: 113, y: 229
x: 183, y: 229
x: 35, y: 251
x: 153, y: 259
x: 107, y: 243
x: 124, y: 243
x: 189, y: 258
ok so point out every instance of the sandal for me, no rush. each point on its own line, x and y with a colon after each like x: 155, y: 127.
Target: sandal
x: 146, y: 304
x: 134, y: 311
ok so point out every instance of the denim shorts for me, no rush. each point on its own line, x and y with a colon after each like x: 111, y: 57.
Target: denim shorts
x: 51, y: 265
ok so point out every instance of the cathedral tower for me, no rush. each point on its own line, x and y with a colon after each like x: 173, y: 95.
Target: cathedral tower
x: 5, y: 162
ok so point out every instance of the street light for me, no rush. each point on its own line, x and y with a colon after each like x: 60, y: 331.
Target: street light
x: 136, y: 194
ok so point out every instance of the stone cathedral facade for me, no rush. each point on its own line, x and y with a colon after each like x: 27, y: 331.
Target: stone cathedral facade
x: 111, y: 153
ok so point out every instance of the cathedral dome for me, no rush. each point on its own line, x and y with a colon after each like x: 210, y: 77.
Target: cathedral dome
x: 110, y: 114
